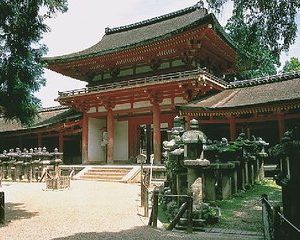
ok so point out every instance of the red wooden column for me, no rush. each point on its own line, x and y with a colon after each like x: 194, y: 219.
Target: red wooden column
x: 60, y: 142
x: 281, y: 124
x: 156, y: 133
x: 85, y: 135
x: 110, y: 135
x: 132, y: 135
x: 232, y: 127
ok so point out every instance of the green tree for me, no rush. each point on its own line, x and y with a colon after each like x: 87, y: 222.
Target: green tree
x: 292, y: 65
x: 262, y: 30
x: 22, y: 24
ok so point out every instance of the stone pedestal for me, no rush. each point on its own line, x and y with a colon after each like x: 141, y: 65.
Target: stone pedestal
x: 241, y: 177
x: 261, y: 169
x: 197, y: 190
x: 246, y: 170
x: 234, y: 177
x: 251, y: 172
x: 226, y: 185
x: 256, y: 171
x: 209, y: 186
x: 192, y: 175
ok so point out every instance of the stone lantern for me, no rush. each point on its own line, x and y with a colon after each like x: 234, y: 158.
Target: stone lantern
x: 56, y: 161
x: 4, y: 164
x: 193, y: 141
x: 174, y: 153
x: 11, y: 164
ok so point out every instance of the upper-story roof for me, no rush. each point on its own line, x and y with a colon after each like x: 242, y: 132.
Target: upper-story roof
x: 147, y: 31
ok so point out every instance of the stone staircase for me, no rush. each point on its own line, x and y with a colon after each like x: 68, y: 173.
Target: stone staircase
x: 108, y: 173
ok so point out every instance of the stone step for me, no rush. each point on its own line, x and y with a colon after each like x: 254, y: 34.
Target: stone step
x: 109, y: 171
x: 102, y: 177
x: 105, y: 173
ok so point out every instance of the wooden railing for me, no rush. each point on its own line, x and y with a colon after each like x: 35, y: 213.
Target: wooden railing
x: 145, y: 81
x: 275, y: 225
x: 187, y: 206
x: 61, y: 182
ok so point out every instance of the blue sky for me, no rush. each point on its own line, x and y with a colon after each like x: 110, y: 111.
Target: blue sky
x: 84, y: 23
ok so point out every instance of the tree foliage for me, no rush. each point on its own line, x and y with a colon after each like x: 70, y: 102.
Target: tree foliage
x: 262, y: 30
x: 292, y: 65
x: 22, y: 24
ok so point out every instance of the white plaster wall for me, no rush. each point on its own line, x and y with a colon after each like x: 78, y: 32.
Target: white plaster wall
x: 96, y: 153
x: 121, y: 140
x: 166, y: 101
x: 92, y: 110
x: 179, y: 100
x: 101, y: 109
x: 142, y: 104
x: 122, y: 106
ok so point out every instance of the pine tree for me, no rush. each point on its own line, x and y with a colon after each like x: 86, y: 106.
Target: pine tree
x: 262, y: 30
x: 22, y: 24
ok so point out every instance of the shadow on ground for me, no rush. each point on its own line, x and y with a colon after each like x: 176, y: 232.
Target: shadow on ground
x: 16, y: 211
x: 144, y: 232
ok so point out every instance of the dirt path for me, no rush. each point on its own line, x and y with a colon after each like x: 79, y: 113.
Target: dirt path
x: 89, y: 210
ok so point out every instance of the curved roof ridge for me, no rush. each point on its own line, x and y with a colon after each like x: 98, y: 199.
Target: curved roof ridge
x: 54, y: 108
x: 266, y: 79
x: 153, y: 20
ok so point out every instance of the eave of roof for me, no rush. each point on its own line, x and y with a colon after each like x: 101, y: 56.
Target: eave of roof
x: 255, y: 93
x: 47, y: 117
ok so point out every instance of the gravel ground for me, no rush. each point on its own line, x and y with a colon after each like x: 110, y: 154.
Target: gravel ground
x: 89, y: 210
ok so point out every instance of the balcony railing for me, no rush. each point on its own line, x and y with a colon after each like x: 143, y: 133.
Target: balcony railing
x: 145, y: 81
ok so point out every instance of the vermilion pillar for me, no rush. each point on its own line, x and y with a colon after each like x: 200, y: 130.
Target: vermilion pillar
x: 110, y: 135
x: 156, y: 133
x: 232, y: 126
x: 84, y: 141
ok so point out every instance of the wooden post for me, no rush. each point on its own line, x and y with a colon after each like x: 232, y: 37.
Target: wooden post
x: 110, y: 135
x: 155, y: 208
x: 148, y: 142
x: 85, y: 136
x: 131, y: 135
x: 142, y: 186
x: 277, y: 225
x: 156, y: 133
x: 146, y: 204
x: 189, y: 214
x: 2, y: 207
x: 176, y: 219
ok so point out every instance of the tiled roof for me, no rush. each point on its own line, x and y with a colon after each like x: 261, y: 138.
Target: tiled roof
x: 266, y: 79
x: 275, y: 91
x: 46, y: 117
x: 147, y: 31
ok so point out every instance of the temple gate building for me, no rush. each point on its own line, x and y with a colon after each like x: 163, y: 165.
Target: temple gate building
x: 137, y: 74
